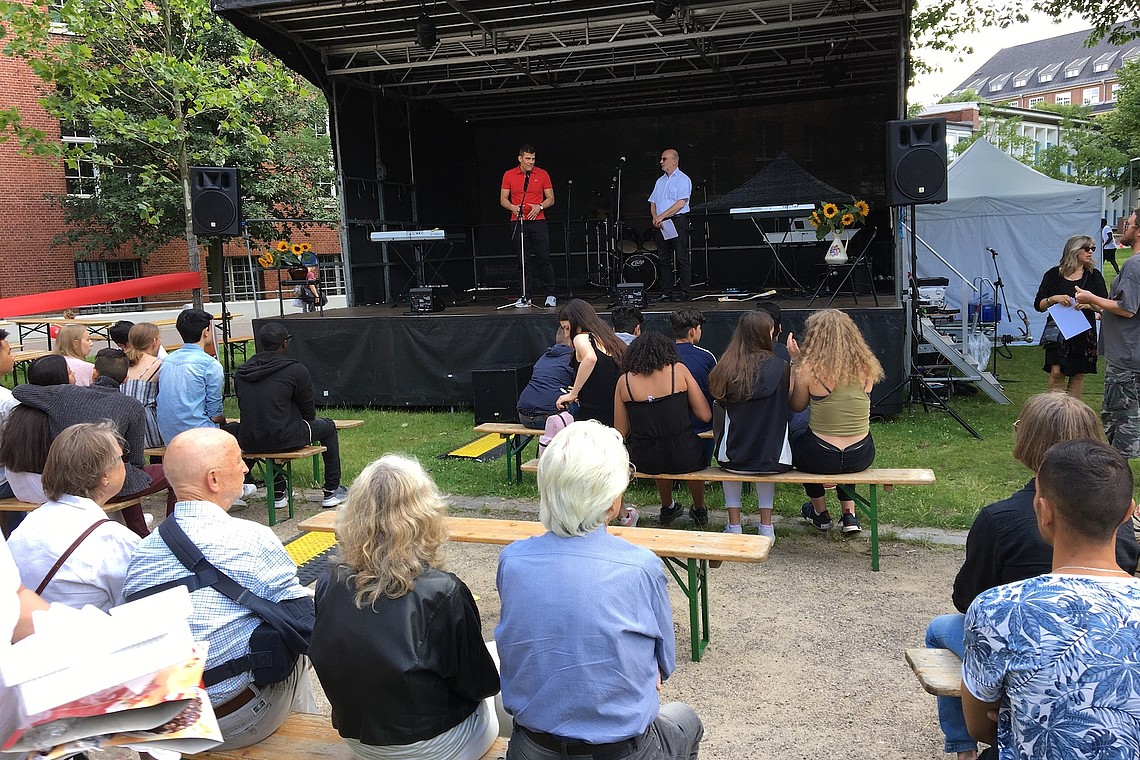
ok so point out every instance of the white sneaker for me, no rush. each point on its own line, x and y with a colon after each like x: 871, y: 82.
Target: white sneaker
x: 238, y: 504
x: 283, y: 502
x: 629, y: 518
x: 333, y: 498
x: 522, y: 303
x: 148, y: 518
x: 248, y: 489
x: 551, y: 302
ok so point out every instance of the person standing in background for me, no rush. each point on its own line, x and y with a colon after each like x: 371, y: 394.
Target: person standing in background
x: 670, y: 202
x: 1108, y: 244
x: 528, y: 189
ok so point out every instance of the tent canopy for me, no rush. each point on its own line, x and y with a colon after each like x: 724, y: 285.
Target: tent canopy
x: 997, y: 202
x: 782, y: 181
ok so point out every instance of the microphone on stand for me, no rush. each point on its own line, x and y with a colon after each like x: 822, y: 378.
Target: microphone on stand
x: 991, y: 250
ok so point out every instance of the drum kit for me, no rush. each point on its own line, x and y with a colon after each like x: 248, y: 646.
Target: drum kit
x: 630, y: 257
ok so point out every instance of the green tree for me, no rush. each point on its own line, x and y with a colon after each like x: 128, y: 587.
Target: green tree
x: 1085, y: 154
x: 1122, y: 125
x: 160, y: 86
x: 1003, y: 132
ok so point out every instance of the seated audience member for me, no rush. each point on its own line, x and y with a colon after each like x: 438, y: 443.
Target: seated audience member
x: 780, y: 350
x: 206, y: 470
x: 1004, y: 544
x: 1057, y: 656
x: 67, y: 405
x: 686, y: 324
x: 74, y: 345
x: 8, y: 403
x: 835, y: 372
x: 549, y: 379
x: 278, y: 412
x: 190, y: 380
x: 84, y: 469
x: 28, y: 434
x: 627, y: 322
x: 387, y: 614
x: 596, y: 692
x: 141, y: 383
x: 651, y: 409
x: 597, y: 356
x: 752, y: 386
x: 120, y: 333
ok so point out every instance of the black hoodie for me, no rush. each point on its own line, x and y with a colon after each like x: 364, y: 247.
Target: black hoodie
x: 275, y: 395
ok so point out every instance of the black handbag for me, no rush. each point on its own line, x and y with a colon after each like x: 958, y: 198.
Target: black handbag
x: 1051, y: 337
x: 274, y: 645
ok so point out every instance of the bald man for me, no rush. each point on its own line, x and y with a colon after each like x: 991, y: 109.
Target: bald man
x: 205, y: 470
x: 670, y: 202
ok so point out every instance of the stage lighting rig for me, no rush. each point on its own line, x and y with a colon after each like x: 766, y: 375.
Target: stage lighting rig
x: 663, y: 9
x: 425, y: 31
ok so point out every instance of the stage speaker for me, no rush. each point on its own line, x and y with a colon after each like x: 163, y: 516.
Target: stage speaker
x: 631, y: 294
x: 497, y: 389
x: 916, y: 161
x: 424, y: 301
x: 215, y: 200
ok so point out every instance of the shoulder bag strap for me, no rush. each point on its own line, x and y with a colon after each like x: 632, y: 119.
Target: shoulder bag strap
x: 63, y: 557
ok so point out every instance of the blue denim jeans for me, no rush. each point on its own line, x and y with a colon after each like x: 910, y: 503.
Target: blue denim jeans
x: 947, y: 632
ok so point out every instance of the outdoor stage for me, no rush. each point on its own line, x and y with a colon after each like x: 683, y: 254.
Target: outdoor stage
x: 384, y: 356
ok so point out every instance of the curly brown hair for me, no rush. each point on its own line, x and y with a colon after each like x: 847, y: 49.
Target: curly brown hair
x: 835, y: 353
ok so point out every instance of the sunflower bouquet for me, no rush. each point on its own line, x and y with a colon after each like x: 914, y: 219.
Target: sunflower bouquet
x: 830, y: 217
x: 284, y: 253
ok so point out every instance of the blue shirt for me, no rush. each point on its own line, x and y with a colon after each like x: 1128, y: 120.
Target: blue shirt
x: 247, y: 552
x: 700, y: 363
x: 551, y: 374
x: 671, y: 188
x: 585, y: 627
x: 189, y: 391
x: 1062, y: 654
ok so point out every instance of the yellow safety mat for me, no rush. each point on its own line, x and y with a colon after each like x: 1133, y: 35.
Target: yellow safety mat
x: 483, y: 449
x: 310, y: 552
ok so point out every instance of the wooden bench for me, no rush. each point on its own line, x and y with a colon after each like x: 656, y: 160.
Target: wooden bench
x: 15, y: 505
x: 872, y: 478
x: 938, y: 670
x: 22, y: 360
x: 236, y: 343
x: 518, y: 436
x: 304, y: 736
x: 684, y: 551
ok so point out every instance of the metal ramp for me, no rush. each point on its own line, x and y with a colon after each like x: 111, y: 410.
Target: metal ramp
x: 969, y: 371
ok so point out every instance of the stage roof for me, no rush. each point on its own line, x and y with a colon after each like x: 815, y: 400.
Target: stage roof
x: 507, y: 58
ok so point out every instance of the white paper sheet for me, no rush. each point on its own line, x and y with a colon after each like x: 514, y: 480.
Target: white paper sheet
x: 1069, y: 319
x: 668, y: 229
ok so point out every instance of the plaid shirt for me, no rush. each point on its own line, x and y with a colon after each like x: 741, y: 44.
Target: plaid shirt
x: 247, y: 552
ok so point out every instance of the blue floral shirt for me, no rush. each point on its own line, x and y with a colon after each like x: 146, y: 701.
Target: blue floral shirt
x: 1062, y: 654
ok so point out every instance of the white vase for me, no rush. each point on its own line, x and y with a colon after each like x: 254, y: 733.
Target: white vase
x: 836, y: 252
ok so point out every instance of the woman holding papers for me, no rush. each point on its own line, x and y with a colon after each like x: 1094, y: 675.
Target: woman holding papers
x: 1075, y: 357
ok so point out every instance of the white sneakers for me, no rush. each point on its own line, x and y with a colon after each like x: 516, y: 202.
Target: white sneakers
x: 551, y: 302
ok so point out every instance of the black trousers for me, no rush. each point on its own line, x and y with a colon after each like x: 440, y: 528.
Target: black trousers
x: 537, y: 248
x: 678, y: 247
x: 813, y: 454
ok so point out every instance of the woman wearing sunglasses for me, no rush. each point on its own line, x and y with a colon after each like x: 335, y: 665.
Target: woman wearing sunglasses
x: 1075, y: 357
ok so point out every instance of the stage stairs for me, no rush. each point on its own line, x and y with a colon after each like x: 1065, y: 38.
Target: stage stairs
x: 951, y: 350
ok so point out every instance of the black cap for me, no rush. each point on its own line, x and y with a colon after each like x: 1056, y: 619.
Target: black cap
x: 272, y: 336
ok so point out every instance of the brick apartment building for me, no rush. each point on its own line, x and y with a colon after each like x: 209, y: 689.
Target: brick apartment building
x: 30, y: 264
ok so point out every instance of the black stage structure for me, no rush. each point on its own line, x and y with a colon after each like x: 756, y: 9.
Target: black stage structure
x: 430, y: 102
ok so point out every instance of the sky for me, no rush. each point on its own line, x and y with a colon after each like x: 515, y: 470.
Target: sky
x: 929, y: 88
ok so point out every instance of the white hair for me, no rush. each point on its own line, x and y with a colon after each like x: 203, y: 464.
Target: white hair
x: 583, y: 470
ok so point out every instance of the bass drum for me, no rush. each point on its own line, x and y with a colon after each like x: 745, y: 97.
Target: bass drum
x: 641, y: 267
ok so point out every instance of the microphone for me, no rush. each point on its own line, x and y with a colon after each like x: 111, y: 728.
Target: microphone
x: 991, y: 250
x: 569, y: 182
x: 621, y: 160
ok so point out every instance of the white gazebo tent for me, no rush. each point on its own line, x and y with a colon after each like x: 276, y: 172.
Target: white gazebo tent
x: 998, y: 202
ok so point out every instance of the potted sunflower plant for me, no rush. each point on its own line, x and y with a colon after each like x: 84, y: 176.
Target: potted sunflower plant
x: 831, y: 219
x: 286, y: 255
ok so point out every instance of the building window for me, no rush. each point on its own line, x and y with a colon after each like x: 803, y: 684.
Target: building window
x: 1112, y: 94
x: 103, y: 272
x: 80, y: 173
x: 1035, y: 101
x: 1048, y: 72
x: 1104, y: 61
x: 1074, y: 68
x: 998, y: 82
x: 1063, y: 99
x: 1023, y: 77
x: 1090, y: 96
x: 332, y: 275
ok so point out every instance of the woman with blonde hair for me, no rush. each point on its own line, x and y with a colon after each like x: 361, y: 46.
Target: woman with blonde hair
x: 74, y: 345
x: 1075, y: 357
x: 835, y: 371
x: 397, y: 643
x: 143, y: 343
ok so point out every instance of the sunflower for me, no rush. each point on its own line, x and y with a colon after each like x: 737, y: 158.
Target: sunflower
x: 847, y: 220
x: 296, y: 249
x: 305, y: 247
x: 830, y: 210
x: 862, y: 208
x: 282, y: 246
x: 267, y: 259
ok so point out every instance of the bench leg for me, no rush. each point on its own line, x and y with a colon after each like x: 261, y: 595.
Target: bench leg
x: 515, y: 446
x: 871, y: 507
x: 695, y: 588
x: 270, y: 480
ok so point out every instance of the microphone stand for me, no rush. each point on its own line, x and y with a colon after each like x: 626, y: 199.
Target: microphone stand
x: 566, y: 238
x: 519, y: 232
x: 999, y: 287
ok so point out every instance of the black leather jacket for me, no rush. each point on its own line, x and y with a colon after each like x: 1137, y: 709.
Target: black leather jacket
x: 405, y: 669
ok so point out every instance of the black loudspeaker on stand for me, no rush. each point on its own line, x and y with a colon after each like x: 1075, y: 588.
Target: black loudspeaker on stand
x: 215, y: 200
x: 916, y: 162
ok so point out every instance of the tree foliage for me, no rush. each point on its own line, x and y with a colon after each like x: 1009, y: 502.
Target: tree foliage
x: 163, y: 85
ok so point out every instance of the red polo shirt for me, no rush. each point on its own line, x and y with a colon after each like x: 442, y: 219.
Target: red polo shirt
x: 535, y: 192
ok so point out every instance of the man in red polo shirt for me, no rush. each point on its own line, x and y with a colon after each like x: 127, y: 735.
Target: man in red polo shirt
x: 531, y: 231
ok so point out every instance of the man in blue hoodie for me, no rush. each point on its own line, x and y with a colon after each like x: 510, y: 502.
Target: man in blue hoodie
x: 551, y: 376
x: 275, y: 395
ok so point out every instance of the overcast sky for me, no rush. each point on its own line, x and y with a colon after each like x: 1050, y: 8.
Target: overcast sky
x: 929, y: 88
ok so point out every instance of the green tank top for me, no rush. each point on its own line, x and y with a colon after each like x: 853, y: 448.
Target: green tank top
x: 845, y: 412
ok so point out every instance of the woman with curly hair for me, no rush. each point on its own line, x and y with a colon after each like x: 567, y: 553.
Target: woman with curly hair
x: 1075, y: 357
x: 597, y: 353
x: 751, y: 386
x: 835, y: 372
x: 74, y: 344
x: 651, y: 409
x: 397, y: 643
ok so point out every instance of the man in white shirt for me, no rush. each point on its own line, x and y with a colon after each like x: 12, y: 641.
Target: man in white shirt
x: 670, y: 202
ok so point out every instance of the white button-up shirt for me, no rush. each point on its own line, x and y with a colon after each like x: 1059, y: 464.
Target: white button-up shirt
x: 669, y: 189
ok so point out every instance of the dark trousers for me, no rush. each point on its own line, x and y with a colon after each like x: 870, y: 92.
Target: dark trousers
x: 677, y: 247
x: 536, y: 238
x: 811, y: 453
